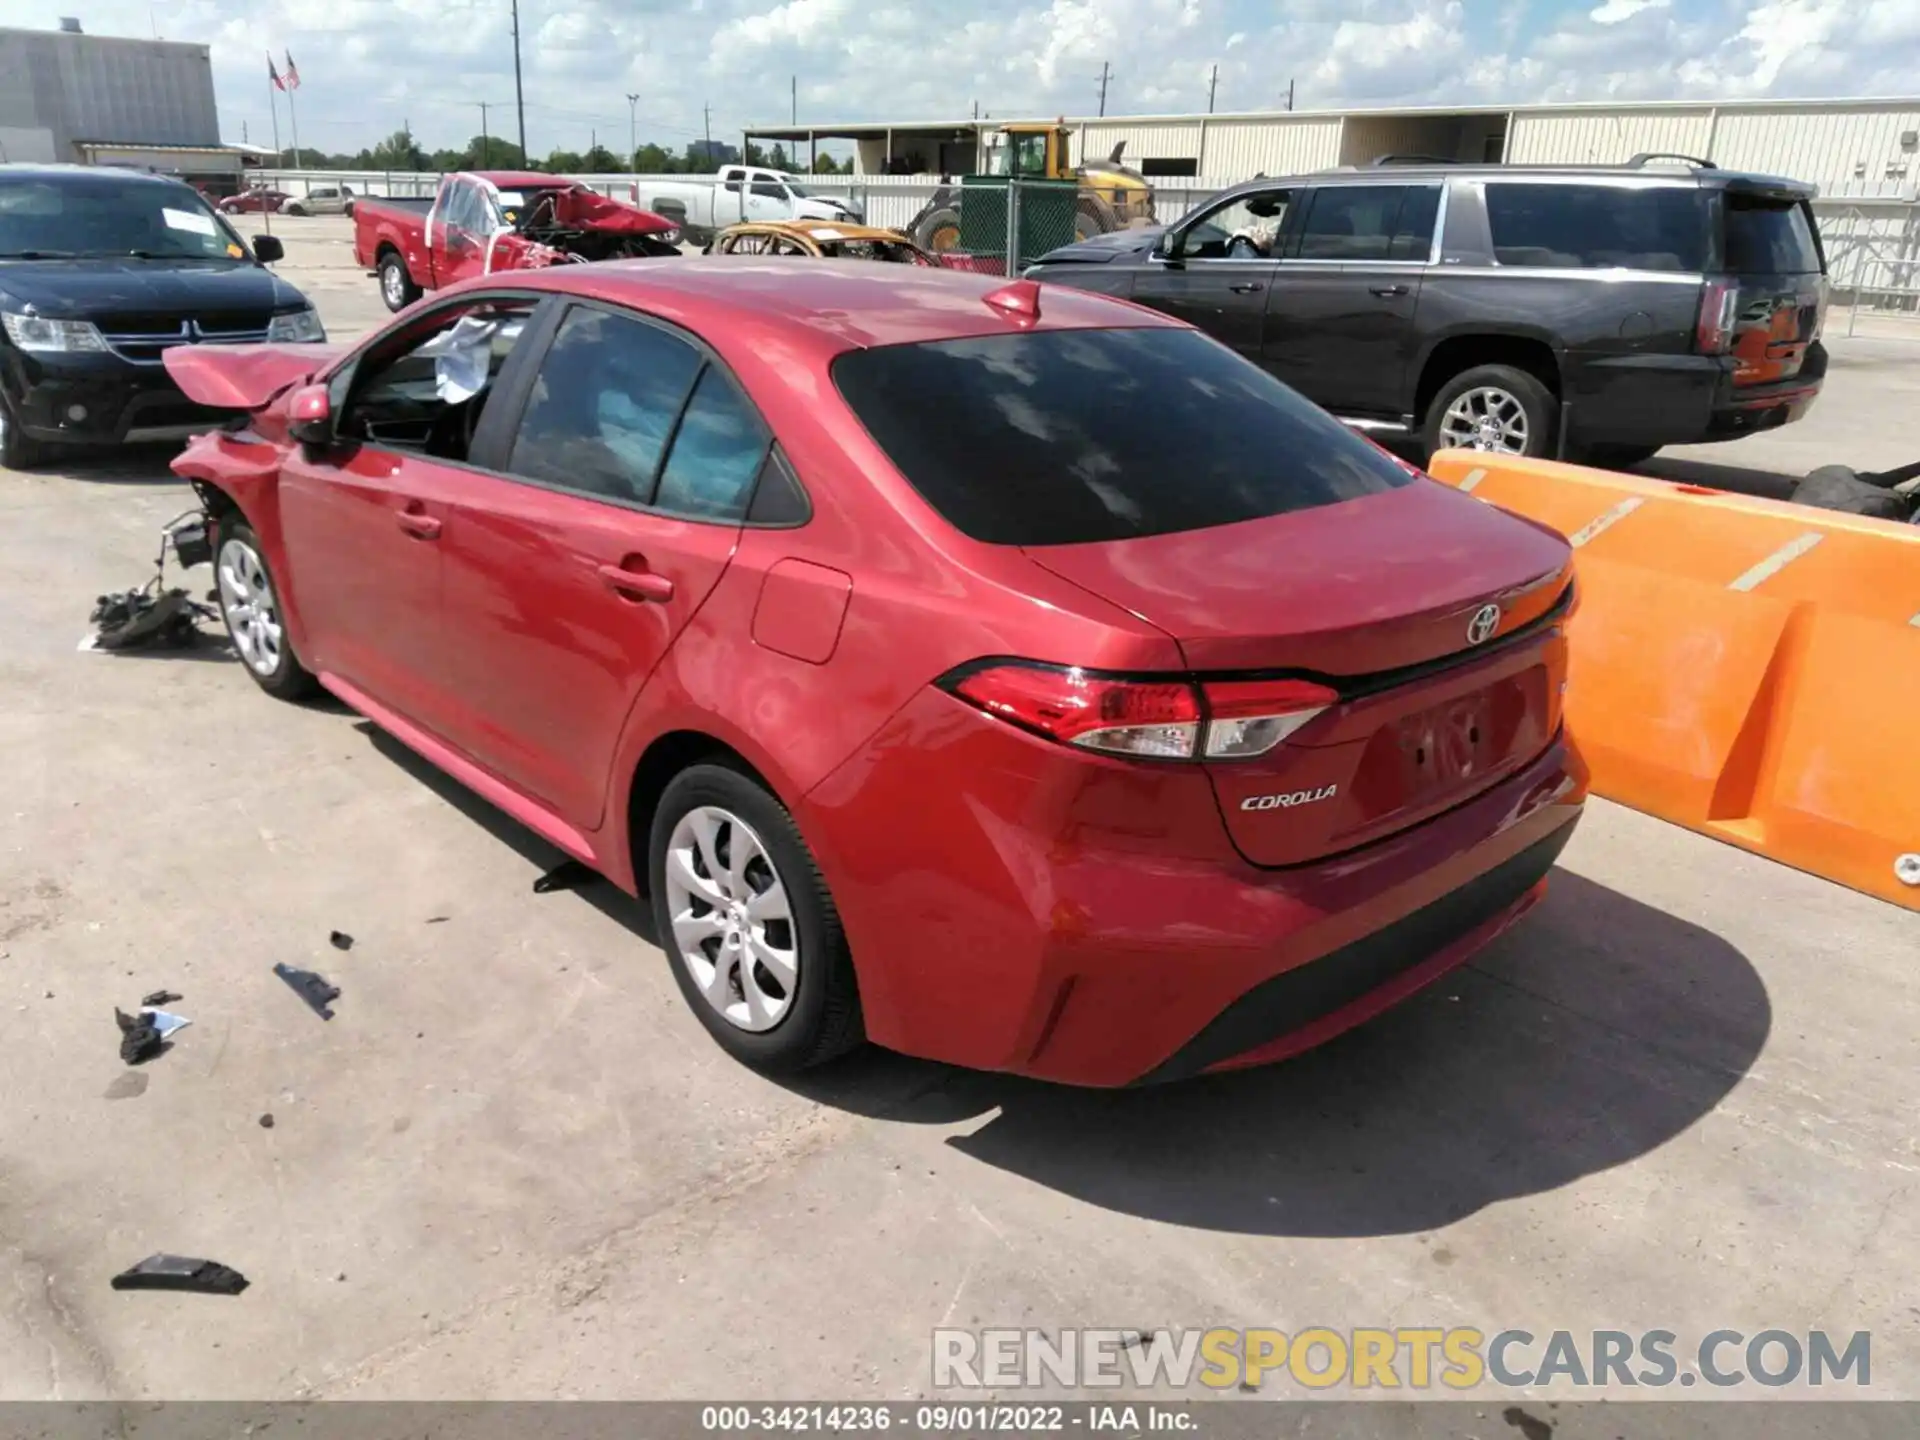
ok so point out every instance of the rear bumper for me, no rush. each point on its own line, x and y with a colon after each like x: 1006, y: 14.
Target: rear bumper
x: 1682, y: 399
x: 1092, y: 924
x: 98, y: 399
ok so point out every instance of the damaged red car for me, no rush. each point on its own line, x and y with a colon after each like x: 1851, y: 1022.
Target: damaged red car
x: 480, y: 222
x: 1006, y: 675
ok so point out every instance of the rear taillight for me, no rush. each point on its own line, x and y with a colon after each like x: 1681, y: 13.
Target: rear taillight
x: 1718, y: 301
x: 1144, y: 717
x: 1249, y: 717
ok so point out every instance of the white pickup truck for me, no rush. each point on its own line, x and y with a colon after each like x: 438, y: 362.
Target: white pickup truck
x: 700, y: 206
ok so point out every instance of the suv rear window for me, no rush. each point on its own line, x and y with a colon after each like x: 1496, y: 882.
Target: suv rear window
x: 1057, y: 437
x: 1598, y: 227
x: 1770, y: 237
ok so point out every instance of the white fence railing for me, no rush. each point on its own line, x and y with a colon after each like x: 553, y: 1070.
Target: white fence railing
x: 1873, y: 246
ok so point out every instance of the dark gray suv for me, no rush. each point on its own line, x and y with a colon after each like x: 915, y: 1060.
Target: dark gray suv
x: 1591, y: 312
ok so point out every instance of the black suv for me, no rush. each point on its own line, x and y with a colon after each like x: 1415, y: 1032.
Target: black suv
x: 101, y: 272
x: 1592, y: 312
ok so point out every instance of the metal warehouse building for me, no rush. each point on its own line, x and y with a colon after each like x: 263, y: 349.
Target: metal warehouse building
x: 96, y: 99
x: 1857, y: 148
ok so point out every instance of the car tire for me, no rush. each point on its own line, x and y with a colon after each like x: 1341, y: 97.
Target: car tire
x: 293, y: 209
x: 775, y: 1022
x: 250, y: 606
x: 397, y: 289
x: 939, y: 232
x: 1617, y: 457
x: 1521, y: 408
x: 18, y: 450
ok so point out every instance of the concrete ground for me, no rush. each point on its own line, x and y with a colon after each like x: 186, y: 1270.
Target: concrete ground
x: 1682, y: 1095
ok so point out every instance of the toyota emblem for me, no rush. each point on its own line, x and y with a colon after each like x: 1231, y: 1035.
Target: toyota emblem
x: 1485, y: 621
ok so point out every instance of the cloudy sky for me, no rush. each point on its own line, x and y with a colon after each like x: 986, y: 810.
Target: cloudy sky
x: 369, y: 65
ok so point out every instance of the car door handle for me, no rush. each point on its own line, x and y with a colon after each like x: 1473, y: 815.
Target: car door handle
x: 1246, y: 289
x: 1386, y: 292
x: 421, y: 527
x: 637, y: 584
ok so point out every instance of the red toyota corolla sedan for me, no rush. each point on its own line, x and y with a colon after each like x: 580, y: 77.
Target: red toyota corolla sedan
x: 1006, y: 674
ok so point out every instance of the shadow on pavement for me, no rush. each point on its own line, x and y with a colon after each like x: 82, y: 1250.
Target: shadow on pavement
x: 1595, y: 1032
x: 144, y: 464
x: 599, y: 892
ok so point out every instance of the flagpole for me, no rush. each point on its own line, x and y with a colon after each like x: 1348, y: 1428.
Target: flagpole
x: 294, y: 118
x: 266, y: 216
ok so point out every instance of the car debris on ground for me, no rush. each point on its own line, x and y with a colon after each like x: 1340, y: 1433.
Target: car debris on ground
x: 340, y: 940
x: 152, y: 616
x: 181, y: 1272
x: 140, y: 1038
x: 567, y: 875
x: 310, y: 987
x: 162, y: 997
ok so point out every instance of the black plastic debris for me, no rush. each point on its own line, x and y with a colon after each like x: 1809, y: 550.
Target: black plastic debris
x: 163, y: 997
x: 340, y: 940
x: 567, y: 875
x: 181, y: 1272
x: 140, y: 1038
x: 438, y: 919
x: 147, y: 619
x: 311, y: 988
x: 266, y: 1122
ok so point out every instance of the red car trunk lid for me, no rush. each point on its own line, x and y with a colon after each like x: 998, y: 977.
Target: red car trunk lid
x: 1432, y: 614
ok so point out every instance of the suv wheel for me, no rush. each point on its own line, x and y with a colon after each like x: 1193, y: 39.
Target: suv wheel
x: 1496, y: 408
x: 746, y: 920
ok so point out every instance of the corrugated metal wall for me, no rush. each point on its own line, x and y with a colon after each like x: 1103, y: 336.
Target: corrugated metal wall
x: 1845, y: 151
x: 1166, y: 140
x: 1287, y: 146
x: 1606, y: 137
x: 91, y: 87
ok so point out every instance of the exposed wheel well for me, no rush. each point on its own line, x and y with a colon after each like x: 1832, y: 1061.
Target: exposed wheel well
x: 386, y: 248
x: 218, y: 503
x: 665, y: 758
x: 1462, y: 352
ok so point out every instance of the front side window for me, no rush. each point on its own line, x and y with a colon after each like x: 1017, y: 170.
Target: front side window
x: 1244, y: 229
x: 428, y: 392
x: 1586, y: 227
x: 108, y: 216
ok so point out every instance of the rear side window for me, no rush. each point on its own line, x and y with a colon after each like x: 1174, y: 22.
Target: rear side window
x: 717, y: 453
x: 603, y: 407
x: 1366, y: 222
x: 1770, y: 237
x: 1057, y: 437
x: 1586, y: 227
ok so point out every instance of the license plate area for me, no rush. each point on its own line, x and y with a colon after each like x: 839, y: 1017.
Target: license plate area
x: 1460, y: 745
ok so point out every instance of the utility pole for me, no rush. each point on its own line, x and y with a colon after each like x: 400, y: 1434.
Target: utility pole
x: 486, y: 151
x: 519, y: 94
x: 706, y: 122
x: 1289, y: 95
x: 1105, y: 69
x: 794, y: 91
x: 633, y: 131
x: 1212, y: 85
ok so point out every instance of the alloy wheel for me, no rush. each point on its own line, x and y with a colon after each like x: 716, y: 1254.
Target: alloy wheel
x: 733, y: 926
x: 396, y: 287
x: 1485, y: 418
x: 247, y: 603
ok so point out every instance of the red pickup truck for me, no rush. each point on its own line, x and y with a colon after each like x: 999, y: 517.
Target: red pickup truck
x: 487, y: 220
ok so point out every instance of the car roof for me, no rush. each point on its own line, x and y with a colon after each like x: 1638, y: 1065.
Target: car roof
x: 826, y: 309
x: 1435, y: 172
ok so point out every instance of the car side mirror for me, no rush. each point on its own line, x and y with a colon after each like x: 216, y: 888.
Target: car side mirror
x: 267, y: 249
x: 310, y: 415
x: 1167, y: 247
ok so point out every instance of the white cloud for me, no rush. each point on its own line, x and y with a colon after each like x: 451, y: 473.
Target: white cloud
x: 1612, y: 12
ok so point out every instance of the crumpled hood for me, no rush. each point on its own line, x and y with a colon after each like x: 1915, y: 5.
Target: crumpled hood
x: 589, y: 210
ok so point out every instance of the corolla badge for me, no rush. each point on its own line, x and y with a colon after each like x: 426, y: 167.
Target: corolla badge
x: 1485, y: 621
x: 1289, y: 800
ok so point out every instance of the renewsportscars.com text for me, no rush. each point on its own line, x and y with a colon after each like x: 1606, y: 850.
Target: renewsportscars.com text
x: 1458, y: 1359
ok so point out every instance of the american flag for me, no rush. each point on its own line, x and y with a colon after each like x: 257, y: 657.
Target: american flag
x: 293, y: 75
x: 273, y: 74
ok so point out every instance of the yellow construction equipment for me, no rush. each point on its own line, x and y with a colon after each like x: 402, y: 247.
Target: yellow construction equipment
x: 1113, y: 196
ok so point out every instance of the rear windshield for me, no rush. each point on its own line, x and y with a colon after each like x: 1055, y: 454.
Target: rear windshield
x: 1589, y: 227
x: 1769, y: 238
x: 1057, y: 437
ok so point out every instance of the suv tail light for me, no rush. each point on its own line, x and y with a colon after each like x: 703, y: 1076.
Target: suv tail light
x: 1714, y: 334
x: 1147, y: 717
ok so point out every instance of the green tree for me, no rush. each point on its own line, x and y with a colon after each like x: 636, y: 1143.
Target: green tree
x: 565, y: 162
x: 650, y: 159
x: 493, y: 152
x: 600, y: 161
x: 399, y: 151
